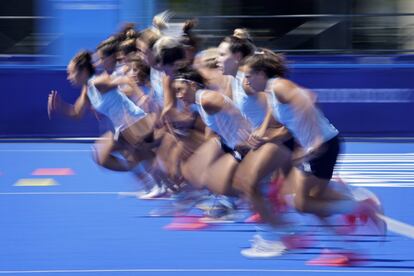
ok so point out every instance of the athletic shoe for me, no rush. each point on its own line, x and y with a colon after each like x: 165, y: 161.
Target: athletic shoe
x: 262, y: 248
x: 329, y: 258
x: 255, y: 218
x: 297, y: 241
x: 223, y: 211
x: 186, y: 224
x: 156, y: 192
x: 369, y: 208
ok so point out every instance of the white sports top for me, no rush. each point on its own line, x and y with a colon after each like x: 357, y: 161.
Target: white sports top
x: 307, y: 126
x: 229, y: 123
x: 156, y: 83
x: 115, y: 105
x: 249, y: 105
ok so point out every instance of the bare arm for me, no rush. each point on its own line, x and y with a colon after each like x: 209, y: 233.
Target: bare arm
x: 212, y: 102
x: 56, y: 104
x: 302, y: 102
x: 170, y: 100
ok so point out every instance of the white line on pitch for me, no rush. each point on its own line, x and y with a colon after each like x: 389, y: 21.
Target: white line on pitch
x: 190, y: 270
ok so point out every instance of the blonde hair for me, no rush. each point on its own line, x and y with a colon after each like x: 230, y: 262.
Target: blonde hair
x: 167, y: 50
x: 242, y: 33
x: 150, y: 35
x: 208, y: 58
x: 160, y: 21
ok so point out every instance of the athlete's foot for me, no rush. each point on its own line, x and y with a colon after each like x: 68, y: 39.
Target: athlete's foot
x: 297, y: 241
x: 255, y: 218
x: 330, y: 258
x: 262, y: 248
x: 156, y: 192
x: 369, y: 208
x: 186, y: 224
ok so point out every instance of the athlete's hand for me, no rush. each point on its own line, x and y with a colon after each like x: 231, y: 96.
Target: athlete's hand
x: 257, y: 139
x: 53, y: 103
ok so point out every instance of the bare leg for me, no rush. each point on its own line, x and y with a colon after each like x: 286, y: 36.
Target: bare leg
x: 308, y: 189
x: 104, y: 157
x: 194, y: 167
x: 219, y: 175
x: 253, y: 169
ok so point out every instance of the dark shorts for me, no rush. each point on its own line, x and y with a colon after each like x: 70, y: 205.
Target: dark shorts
x: 290, y: 144
x: 237, y: 154
x: 323, y: 164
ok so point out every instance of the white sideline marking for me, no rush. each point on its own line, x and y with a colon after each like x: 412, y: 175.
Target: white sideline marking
x: 378, y: 154
x: 395, y: 173
x: 198, y: 270
x: 379, y: 166
x: 374, y: 169
x: 384, y: 185
x: 398, y: 227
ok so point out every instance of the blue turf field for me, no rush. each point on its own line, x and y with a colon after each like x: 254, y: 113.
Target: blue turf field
x: 83, y: 226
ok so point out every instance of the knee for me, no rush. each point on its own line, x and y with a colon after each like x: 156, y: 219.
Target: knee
x: 190, y: 176
x: 244, y: 185
x: 300, y: 204
x: 98, y: 158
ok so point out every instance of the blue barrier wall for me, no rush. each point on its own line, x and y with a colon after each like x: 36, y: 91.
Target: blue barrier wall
x: 360, y: 100
x: 363, y: 101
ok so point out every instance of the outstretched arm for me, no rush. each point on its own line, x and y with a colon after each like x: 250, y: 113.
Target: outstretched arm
x: 57, y: 104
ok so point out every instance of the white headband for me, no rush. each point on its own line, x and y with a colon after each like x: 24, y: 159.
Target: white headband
x: 186, y: 80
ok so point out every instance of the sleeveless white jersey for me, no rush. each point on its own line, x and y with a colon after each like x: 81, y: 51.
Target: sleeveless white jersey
x: 306, y: 126
x: 229, y: 123
x: 249, y: 105
x: 156, y: 77
x: 115, y: 105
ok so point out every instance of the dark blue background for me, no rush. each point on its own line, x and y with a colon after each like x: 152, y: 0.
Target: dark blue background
x: 25, y: 89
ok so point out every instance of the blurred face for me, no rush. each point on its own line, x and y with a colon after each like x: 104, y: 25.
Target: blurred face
x: 227, y: 61
x: 185, y: 91
x: 135, y: 73
x: 107, y: 62
x: 145, y: 53
x: 254, y: 81
x: 76, y: 77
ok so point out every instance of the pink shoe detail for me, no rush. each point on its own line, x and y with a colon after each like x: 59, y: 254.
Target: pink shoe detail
x: 186, y: 224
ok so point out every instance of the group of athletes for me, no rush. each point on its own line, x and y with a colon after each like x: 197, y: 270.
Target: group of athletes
x: 226, y: 120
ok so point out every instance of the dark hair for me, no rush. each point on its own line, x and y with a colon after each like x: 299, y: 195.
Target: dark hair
x: 167, y: 50
x: 189, y: 38
x: 240, y: 45
x: 127, y: 46
x: 109, y: 46
x: 188, y: 73
x: 270, y: 63
x: 83, y: 60
x: 149, y: 37
x: 127, y: 31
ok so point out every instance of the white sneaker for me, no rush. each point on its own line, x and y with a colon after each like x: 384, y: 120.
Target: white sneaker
x: 360, y: 194
x: 371, y: 207
x: 262, y: 248
x: 156, y: 191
